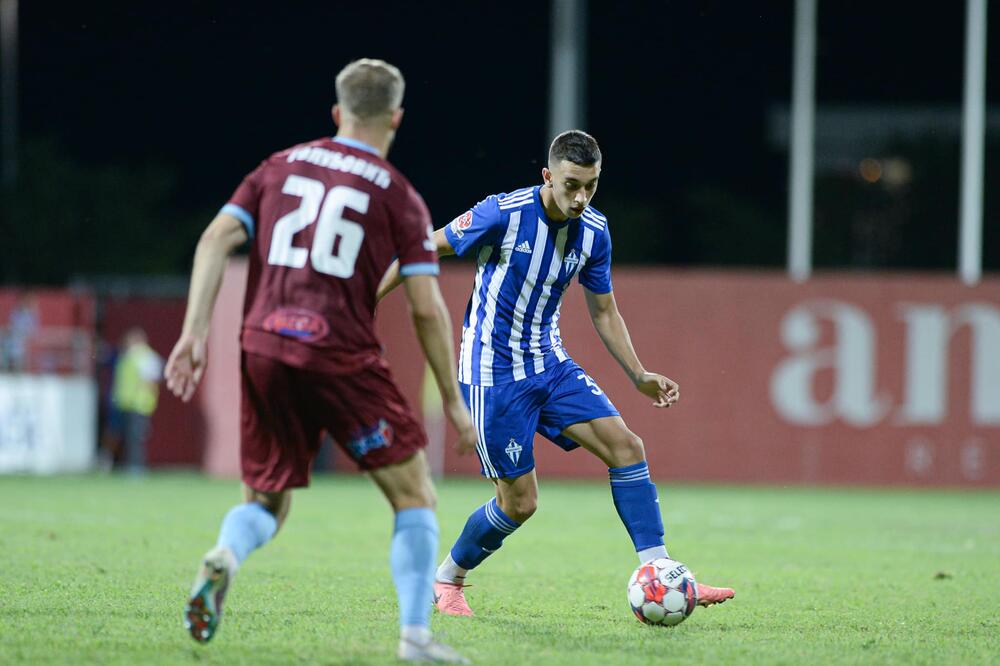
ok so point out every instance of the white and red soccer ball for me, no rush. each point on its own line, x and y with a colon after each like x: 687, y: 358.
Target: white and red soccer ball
x: 662, y: 592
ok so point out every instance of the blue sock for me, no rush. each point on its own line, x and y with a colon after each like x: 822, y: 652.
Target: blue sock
x: 411, y: 556
x: 638, y: 507
x: 483, y: 534
x: 246, y: 528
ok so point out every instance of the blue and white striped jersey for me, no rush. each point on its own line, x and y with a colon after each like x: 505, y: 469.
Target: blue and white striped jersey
x: 525, y: 262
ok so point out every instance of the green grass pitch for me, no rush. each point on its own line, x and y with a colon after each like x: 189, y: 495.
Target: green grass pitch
x: 96, y: 570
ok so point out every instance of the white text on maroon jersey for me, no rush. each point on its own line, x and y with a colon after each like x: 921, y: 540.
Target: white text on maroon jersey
x: 352, y: 164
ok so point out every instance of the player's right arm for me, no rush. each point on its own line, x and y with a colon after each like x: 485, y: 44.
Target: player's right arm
x: 433, y: 325
x: 393, y: 279
x: 186, y: 364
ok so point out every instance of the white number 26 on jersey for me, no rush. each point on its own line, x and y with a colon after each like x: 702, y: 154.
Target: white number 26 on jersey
x: 329, y: 208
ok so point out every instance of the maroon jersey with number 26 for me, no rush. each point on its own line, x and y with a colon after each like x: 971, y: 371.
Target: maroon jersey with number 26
x: 326, y: 219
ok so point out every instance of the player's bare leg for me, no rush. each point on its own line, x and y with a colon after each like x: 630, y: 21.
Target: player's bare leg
x: 410, y: 491
x: 245, y: 528
x: 635, y: 498
x: 516, y: 501
x: 609, y: 439
x: 518, y: 497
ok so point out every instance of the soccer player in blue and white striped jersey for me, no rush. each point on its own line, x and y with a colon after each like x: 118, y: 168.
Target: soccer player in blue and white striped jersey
x: 516, y: 376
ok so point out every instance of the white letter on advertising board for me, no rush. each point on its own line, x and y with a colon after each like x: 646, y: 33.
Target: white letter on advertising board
x: 929, y: 330
x: 851, y: 358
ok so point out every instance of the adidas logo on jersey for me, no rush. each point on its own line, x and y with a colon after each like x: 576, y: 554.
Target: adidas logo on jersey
x: 525, y: 246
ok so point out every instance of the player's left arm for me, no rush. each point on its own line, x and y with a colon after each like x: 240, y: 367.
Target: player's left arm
x: 393, y: 278
x: 187, y: 360
x: 610, y: 325
x: 468, y: 231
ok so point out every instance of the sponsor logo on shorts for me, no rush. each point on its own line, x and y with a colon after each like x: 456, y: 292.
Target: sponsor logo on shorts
x: 461, y: 223
x: 297, y: 323
x: 513, y: 451
x: 365, y: 440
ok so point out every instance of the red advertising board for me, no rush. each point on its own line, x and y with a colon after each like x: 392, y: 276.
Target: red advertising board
x: 177, y: 430
x: 849, y: 378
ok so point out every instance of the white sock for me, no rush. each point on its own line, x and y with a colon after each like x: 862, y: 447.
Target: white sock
x: 415, y: 633
x: 648, y: 554
x: 449, y: 572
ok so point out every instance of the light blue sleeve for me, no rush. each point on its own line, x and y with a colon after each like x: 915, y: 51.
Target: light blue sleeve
x: 477, y: 227
x: 596, y: 273
x: 243, y: 216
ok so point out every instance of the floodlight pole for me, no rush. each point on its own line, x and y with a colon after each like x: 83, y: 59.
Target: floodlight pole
x: 567, y: 104
x: 8, y: 90
x: 801, y: 153
x: 970, y: 244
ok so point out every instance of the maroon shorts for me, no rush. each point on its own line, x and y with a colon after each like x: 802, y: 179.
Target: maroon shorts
x: 285, y: 409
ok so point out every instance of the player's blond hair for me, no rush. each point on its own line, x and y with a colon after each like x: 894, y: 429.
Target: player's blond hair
x: 368, y: 88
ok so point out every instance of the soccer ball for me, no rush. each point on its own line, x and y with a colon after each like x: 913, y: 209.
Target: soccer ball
x: 662, y: 592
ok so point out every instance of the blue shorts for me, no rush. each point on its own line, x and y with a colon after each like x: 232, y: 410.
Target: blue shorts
x: 508, y: 416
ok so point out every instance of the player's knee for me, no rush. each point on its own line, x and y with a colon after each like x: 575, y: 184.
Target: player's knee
x: 414, y: 496
x: 426, y: 496
x: 277, y: 504
x: 519, y: 509
x: 630, y: 450
x: 527, y: 510
x: 271, y: 501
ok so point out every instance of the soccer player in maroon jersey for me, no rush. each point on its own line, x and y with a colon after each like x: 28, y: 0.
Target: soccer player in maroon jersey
x: 325, y: 219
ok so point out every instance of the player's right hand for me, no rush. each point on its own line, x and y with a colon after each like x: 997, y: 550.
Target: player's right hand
x: 460, y: 418
x: 185, y: 366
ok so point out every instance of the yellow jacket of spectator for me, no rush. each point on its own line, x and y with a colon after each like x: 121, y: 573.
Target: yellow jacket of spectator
x: 137, y: 380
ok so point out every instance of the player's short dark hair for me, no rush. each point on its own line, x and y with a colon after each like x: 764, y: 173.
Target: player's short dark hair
x: 574, y: 146
x: 368, y: 88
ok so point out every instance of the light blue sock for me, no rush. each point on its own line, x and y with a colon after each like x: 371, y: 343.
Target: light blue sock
x: 638, y: 507
x: 482, y: 535
x: 411, y: 556
x: 246, y: 528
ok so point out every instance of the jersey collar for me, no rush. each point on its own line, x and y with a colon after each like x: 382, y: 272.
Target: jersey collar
x: 545, y: 218
x: 354, y: 143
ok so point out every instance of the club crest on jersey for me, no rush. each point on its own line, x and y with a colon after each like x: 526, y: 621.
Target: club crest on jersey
x: 513, y: 451
x: 571, y: 262
x: 461, y: 223
x: 298, y: 323
x: 364, y: 440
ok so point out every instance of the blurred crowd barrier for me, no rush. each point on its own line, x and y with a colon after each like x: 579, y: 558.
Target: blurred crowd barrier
x: 57, y: 357
x: 47, y: 331
x: 48, y: 391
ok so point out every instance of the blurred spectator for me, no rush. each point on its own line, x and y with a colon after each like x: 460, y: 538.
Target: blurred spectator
x: 134, y: 394
x: 21, y: 326
x: 110, y: 440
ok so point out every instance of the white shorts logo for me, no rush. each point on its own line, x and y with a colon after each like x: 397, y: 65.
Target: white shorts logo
x: 513, y: 451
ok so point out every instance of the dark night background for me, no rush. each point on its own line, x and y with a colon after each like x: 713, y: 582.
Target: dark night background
x: 139, y: 119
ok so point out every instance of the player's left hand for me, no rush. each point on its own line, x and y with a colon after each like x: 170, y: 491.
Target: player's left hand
x: 458, y: 413
x: 663, y: 390
x: 185, y: 366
